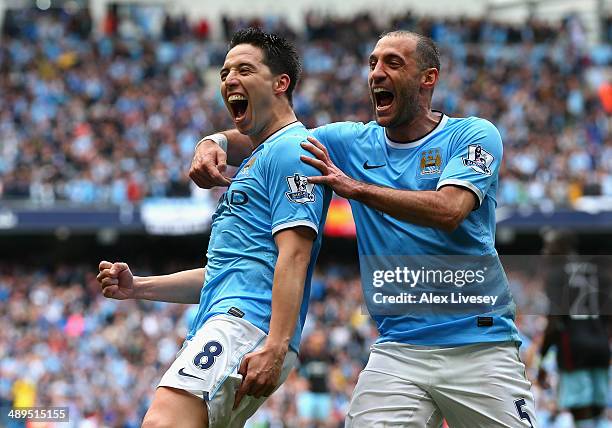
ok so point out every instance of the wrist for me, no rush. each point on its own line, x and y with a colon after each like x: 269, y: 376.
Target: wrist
x: 139, y: 288
x: 357, y: 190
x: 277, y: 346
x: 219, y: 138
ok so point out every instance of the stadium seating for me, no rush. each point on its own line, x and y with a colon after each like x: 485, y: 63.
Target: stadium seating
x: 111, y: 119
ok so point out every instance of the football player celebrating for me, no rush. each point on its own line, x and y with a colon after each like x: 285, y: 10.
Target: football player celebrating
x: 264, y: 242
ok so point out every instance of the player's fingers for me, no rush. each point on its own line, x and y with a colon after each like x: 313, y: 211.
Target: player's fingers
x: 104, y: 265
x: 211, y: 168
x: 200, y: 173
x: 196, y: 175
x: 268, y: 390
x: 244, y: 367
x: 318, y: 145
x: 319, y: 179
x: 216, y: 177
x: 259, y: 390
x: 109, y: 291
x: 318, y: 153
x: 318, y: 164
x: 245, y: 385
x: 256, y: 392
x: 201, y: 182
x: 117, y: 268
x: 256, y: 386
x: 313, y: 140
x: 221, y: 161
x: 103, y: 274
x: 238, y: 399
x: 242, y: 391
x: 107, y: 281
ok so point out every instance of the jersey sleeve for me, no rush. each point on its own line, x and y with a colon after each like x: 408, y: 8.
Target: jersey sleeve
x: 293, y: 201
x: 337, y: 138
x: 474, y: 159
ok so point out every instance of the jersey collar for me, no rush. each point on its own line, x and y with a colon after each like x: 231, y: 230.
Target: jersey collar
x: 280, y: 131
x: 412, y: 144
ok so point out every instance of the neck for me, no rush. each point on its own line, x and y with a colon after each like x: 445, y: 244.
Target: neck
x: 278, y: 120
x: 423, y: 123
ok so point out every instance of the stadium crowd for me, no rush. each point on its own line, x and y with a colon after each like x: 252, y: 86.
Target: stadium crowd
x: 112, y: 116
x: 63, y: 344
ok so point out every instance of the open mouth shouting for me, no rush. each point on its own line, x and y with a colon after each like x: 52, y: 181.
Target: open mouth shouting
x: 383, y: 99
x: 238, y: 106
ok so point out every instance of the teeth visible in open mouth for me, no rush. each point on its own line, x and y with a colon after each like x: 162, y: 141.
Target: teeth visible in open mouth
x: 383, y: 97
x: 233, y: 98
x: 238, y: 104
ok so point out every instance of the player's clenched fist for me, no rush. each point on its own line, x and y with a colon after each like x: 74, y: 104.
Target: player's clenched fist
x: 116, y: 280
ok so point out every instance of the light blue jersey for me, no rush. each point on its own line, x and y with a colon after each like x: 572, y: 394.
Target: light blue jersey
x: 268, y: 194
x: 464, y: 152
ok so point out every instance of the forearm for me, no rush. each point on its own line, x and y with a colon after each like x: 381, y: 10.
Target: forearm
x: 425, y: 208
x: 238, y: 146
x: 287, y: 293
x: 179, y: 287
x: 443, y: 209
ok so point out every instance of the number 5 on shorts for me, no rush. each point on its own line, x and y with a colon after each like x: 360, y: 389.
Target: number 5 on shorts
x: 522, y: 414
x: 205, y: 359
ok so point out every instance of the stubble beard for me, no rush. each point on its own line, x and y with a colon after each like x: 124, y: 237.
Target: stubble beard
x: 411, y: 108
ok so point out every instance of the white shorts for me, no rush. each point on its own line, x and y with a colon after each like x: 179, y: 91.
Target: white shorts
x: 482, y: 385
x: 207, y: 367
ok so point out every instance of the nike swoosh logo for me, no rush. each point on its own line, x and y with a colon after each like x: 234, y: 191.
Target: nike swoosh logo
x: 366, y: 166
x: 182, y: 373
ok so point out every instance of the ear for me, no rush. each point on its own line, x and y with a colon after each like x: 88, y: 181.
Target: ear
x: 281, y: 84
x: 429, y: 78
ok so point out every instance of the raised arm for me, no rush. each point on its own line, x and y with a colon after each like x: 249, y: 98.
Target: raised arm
x: 261, y: 369
x: 119, y: 283
x: 210, y: 159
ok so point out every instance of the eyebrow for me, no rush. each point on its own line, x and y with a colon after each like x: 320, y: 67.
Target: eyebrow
x: 394, y: 56
x: 242, y: 64
x: 387, y: 57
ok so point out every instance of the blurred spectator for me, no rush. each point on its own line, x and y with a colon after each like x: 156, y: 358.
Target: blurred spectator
x: 315, y: 403
x: 578, y: 326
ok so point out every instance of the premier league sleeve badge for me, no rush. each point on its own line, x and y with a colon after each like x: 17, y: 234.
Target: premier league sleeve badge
x: 300, y: 190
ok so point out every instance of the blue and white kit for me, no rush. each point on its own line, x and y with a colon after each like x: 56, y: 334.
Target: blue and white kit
x: 270, y: 193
